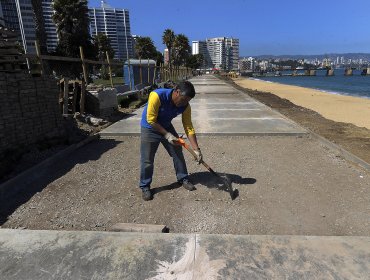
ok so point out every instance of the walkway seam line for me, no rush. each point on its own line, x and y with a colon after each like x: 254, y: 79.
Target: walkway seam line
x: 195, y: 250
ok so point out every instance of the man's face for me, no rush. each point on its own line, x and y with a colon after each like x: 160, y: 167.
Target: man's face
x: 180, y: 100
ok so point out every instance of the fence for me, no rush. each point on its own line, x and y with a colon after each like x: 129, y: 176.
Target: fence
x: 37, y: 64
x: 161, y: 72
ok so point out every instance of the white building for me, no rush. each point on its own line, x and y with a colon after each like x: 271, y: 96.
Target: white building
x: 247, y: 64
x: 200, y: 47
x: 115, y: 23
x: 220, y: 52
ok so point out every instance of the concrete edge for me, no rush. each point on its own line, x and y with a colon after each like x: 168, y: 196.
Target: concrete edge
x: 108, y: 232
x: 344, y: 153
x: 14, y: 185
x: 303, y: 133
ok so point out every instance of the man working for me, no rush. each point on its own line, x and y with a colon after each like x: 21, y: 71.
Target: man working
x: 156, y: 127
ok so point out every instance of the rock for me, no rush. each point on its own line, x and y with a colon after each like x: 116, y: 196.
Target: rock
x: 96, y: 121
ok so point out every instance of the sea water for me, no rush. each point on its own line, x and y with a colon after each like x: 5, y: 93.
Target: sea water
x: 355, y: 85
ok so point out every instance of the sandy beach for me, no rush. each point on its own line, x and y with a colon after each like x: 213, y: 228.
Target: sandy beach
x: 339, y: 108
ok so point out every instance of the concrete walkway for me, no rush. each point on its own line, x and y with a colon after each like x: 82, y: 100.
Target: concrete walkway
x: 287, y: 185
x: 108, y: 255
x: 219, y: 109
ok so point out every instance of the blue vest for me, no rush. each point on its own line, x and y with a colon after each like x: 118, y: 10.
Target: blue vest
x: 167, y: 110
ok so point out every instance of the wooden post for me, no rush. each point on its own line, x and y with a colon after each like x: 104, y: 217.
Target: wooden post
x: 61, y: 94
x: 110, y: 69
x: 155, y: 73
x: 165, y: 73
x: 38, y: 53
x: 83, y: 64
x: 82, y: 99
x: 148, y: 72
x: 75, y: 89
x: 141, y: 71
x: 129, y: 72
x: 65, y: 97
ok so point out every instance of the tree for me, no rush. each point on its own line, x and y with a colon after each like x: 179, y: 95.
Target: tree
x: 144, y: 48
x: 195, y: 61
x: 103, y: 45
x: 181, y: 49
x: 72, y: 22
x: 168, y: 39
x: 159, y: 58
x: 39, y: 24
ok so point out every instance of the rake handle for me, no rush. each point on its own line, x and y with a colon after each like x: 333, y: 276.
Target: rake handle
x: 186, y: 146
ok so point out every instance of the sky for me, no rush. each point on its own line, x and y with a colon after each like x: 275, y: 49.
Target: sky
x: 263, y: 27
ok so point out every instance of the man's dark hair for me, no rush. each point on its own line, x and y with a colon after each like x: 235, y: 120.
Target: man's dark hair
x: 186, y: 88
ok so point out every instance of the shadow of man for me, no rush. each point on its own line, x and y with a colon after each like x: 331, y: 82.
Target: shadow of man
x: 27, y: 187
x: 212, y: 182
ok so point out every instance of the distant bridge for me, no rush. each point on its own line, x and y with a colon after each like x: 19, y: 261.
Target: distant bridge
x: 308, y: 72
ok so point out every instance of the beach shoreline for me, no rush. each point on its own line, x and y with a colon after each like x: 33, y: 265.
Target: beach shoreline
x: 318, y: 89
x: 353, y: 138
x: 335, y: 107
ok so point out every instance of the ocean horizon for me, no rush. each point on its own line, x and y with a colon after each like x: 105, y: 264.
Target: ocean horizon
x: 356, y: 85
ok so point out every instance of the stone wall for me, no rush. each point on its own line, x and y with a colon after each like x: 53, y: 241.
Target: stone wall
x: 29, y: 111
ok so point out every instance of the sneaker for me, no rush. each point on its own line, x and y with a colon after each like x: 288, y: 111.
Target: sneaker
x: 188, y: 185
x: 147, y: 194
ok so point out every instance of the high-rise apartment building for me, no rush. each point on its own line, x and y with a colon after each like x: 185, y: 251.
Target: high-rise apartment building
x: 2, y: 22
x: 200, y: 47
x: 247, y: 64
x: 10, y: 15
x: 49, y: 25
x: 18, y: 15
x: 231, y: 53
x: 220, y: 52
x: 115, y: 23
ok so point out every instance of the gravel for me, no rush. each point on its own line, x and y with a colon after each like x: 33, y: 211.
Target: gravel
x: 287, y: 185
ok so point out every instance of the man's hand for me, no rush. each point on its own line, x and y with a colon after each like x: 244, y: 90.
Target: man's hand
x: 199, y: 156
x: 171, y: 138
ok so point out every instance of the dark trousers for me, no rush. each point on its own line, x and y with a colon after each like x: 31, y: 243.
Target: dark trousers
x: 150, y: 140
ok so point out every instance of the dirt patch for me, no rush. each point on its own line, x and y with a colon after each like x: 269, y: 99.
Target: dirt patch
x: 350, y: 137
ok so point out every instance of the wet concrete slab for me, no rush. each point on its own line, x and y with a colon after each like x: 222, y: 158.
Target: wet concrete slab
x: 34, y: 254
x: 220, y: 109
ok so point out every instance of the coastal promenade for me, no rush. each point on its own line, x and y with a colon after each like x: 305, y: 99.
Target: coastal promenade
x: 219, y: 109
x: 301, y: 211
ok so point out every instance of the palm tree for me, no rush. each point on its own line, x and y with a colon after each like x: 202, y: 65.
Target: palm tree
x: 144, y: 48
x: 40, y: 31
x: 181, y: 49
x: 103, y: 45
x: 168, y: 39
x: 72, y: 22
x: 39, y: 24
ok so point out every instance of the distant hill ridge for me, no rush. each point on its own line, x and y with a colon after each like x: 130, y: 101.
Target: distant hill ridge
x: 365, y: 56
